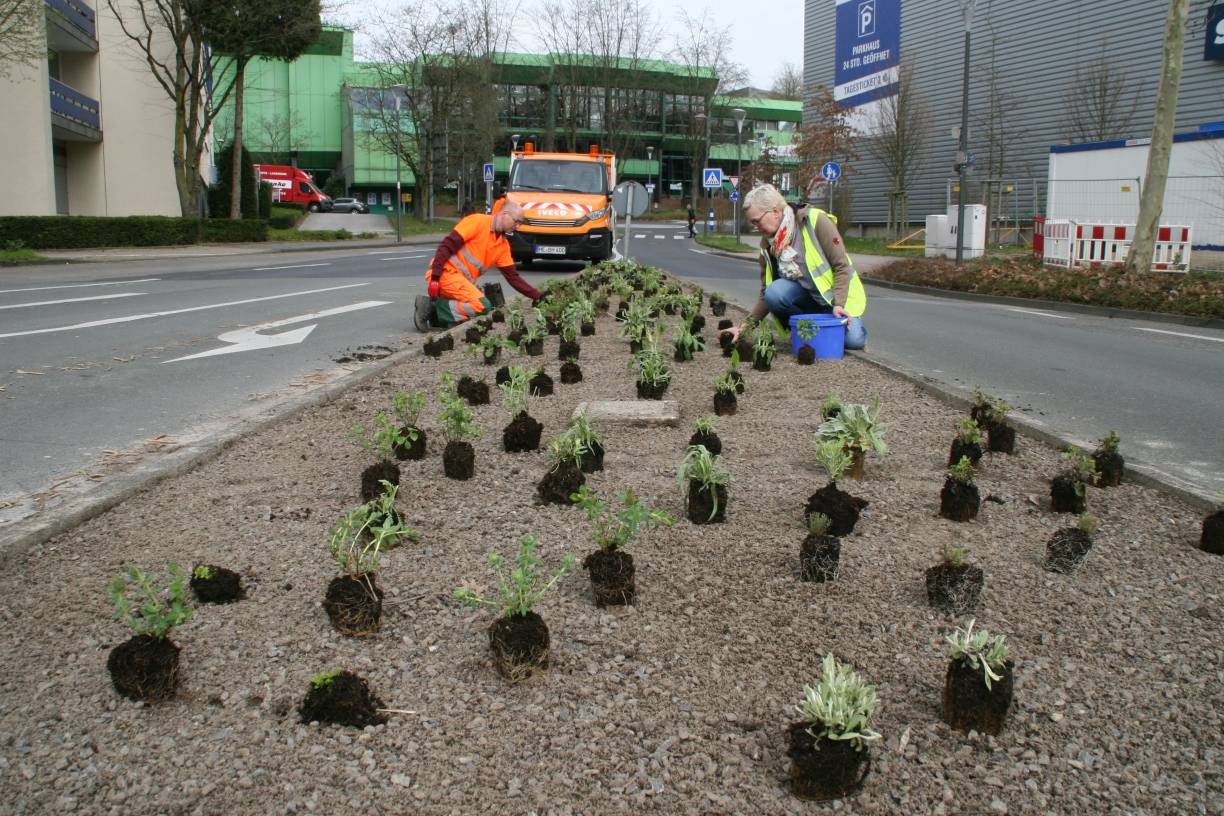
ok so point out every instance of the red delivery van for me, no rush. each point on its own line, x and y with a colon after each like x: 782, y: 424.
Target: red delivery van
x: 293, y: 186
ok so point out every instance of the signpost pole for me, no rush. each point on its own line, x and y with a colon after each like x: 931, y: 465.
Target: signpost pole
x: 628, y: 220
x: 831, y: 183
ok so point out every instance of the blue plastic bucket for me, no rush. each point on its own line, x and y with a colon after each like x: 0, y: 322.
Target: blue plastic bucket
x: 829, y: 343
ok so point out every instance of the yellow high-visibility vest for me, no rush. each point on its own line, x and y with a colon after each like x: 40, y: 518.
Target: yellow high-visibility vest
x: 820, y: 271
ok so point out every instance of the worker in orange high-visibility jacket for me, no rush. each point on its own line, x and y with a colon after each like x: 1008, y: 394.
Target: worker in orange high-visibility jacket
x: 476, y: 245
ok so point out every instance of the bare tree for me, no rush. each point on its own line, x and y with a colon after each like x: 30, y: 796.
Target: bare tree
x: 1151, y: 201
x: 21, y: 36
x: 788, y: 82
x: 566, y: 43
x: 1100, y: 101
x: 174, y: 49
x: 701, y: 48
x: 896, y: 137
x: 280, y: 134
x: 442, y: 56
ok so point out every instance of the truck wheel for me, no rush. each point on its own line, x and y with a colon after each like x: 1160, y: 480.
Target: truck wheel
x: 313, y: 207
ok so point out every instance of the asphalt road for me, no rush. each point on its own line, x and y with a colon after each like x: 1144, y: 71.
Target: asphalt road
x: 104, y: 365
x: 1159, y: 385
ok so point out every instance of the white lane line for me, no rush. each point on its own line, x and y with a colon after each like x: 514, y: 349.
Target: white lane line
x: 73, y: 300
x: 112, y: 320
x: 295, y: 266
x: 677, y: 237
x: 1039, y: 314
x: 1181, y: 334
x: 659, y: 237
x: 249, y: 339
x: 639, y: 235
x: 76, y: 286
x: 406, y: 258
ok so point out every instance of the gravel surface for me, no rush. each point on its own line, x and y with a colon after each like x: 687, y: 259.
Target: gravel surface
x: 675, y: 705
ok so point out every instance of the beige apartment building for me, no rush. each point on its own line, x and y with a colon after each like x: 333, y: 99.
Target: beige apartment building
x: 88, y: 131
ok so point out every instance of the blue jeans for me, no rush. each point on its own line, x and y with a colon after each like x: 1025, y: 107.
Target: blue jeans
x: 787, y: 297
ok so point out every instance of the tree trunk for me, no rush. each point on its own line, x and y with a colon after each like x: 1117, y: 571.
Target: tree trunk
x: 1152, y: 201
x: 236, y: 170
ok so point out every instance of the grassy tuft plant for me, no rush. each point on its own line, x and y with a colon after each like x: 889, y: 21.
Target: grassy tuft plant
x: 954, y: 556
x: 833, y: 457
x: 840, y: 706
x: 982, y: 651
x: 701, y: 466
x: 520, y: 588
x: 1081, y: 468
x: 1088, y: 524
x: 565, y: 448
x: 582, y: 429
x: 818, y: 524
x: 831, y: 407
x: 705, y: 425
x: 515, y: 391
x: 147, y: 608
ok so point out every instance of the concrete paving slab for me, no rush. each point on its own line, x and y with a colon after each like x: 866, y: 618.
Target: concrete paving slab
x: 636, y: 413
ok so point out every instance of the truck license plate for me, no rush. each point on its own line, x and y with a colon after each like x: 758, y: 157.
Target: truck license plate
x: 544, y: 249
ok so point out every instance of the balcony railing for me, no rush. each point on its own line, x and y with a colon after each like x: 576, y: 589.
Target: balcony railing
x: 74, y: 105
x: 77, y: 13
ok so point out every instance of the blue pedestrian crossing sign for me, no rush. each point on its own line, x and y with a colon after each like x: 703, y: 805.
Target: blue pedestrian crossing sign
x: 488, y: 171
x: 711, y: 177
x: 831, y: 171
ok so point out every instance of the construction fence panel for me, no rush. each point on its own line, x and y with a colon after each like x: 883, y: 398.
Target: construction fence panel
x: 1011, y: 204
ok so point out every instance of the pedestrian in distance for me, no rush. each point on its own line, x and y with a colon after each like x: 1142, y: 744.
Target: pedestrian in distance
x: 692, y: 221
x: 476, y: 244
x: 805, y: 268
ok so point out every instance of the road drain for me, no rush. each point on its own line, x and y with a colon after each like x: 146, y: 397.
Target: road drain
x: 364, y: 354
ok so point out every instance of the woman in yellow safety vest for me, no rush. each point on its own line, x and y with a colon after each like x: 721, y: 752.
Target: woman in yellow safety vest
x: 804, y: 265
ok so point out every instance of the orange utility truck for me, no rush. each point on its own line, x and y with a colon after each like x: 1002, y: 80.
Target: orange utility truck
x: 567, y: 203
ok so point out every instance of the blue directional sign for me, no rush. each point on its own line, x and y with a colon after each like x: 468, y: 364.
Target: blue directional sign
x: 734, y: 195
x: 488, y: 171
x: 711, y: 177
x: 831, y: 171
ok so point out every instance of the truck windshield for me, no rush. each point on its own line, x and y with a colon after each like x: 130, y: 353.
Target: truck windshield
x: 559, y: 175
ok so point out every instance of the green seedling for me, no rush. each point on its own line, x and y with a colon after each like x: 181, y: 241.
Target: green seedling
x: 457, y: 417
x: 1109, y: 443
x: 383, y: 438
x: 818, y: 524
x: 1081, y: 469
x: 359, y: 537
x: 407, y: 407
x: 970, y: 432
x: 699, y: 465
x: 614, y: 529
x: 963, y: 471
x: 203, y: 573
x: 1088, y: 524
x: 324, y: 679
x: 705, y: 425
x: 515, y: 391
x: 147, y: 608
x: 521, y: 588
x: 832, y: 457
x: 954, y: 556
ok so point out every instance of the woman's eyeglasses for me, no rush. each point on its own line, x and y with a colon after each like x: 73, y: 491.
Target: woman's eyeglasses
x: 756, y: 222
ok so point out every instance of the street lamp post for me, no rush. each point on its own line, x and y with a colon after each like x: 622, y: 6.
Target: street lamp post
x: 705, y: 121
x: 399, y: 198
x: 739, y: 114
x: 649, y: 171
x: 962, y: 151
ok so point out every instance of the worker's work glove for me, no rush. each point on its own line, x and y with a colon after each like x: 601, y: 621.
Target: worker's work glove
x: 434, y: 288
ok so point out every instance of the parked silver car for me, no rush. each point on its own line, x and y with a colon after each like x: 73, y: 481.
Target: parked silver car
x: 349, y: 205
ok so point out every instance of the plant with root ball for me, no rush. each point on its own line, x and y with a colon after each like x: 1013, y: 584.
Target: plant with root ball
x: 1109, y: 443
x: 565, y: 448
x: 831, y: 406
x: 407, y: 407
x: 806, y: 329
x: 705, y: 425
x: 515, y: 391
x: 614, y: 529
x: 840, y: 706
x: 954, y: 556
x: 766, y: 345
x: 1080, y: 469
x: 983, y: 651
x: 516, y: 320
x: 521, y: 587
x: 457, y: 417
x: 818, y: 524
x: 584, y: 431
x: 146, y: 607
x: 699, y: 465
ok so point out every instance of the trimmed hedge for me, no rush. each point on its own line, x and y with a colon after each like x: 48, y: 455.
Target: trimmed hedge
x: 83, y: 231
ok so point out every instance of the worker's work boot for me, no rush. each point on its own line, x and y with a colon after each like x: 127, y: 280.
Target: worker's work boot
x: 422, y: 308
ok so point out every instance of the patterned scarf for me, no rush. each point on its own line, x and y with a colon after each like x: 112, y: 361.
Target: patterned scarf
x: 780, y: 246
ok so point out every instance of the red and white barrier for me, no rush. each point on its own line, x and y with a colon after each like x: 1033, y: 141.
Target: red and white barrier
x: 1071, y: 244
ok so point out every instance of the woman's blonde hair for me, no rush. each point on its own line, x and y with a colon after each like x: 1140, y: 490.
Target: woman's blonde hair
x: 764, y: 197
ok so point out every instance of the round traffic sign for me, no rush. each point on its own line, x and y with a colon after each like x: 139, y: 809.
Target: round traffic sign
x: 621, y: 198
x: 831, y: 171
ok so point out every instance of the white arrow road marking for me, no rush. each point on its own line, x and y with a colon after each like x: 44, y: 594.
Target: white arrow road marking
x: 1040, y: 314
x: 76, y: 286
x: 73, y: 300
x: 249, y: 339
x: 111, y: 320
x: 295, y: 266
x: 1181, y: 334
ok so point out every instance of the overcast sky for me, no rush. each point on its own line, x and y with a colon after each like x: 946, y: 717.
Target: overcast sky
x: 765, y: 35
